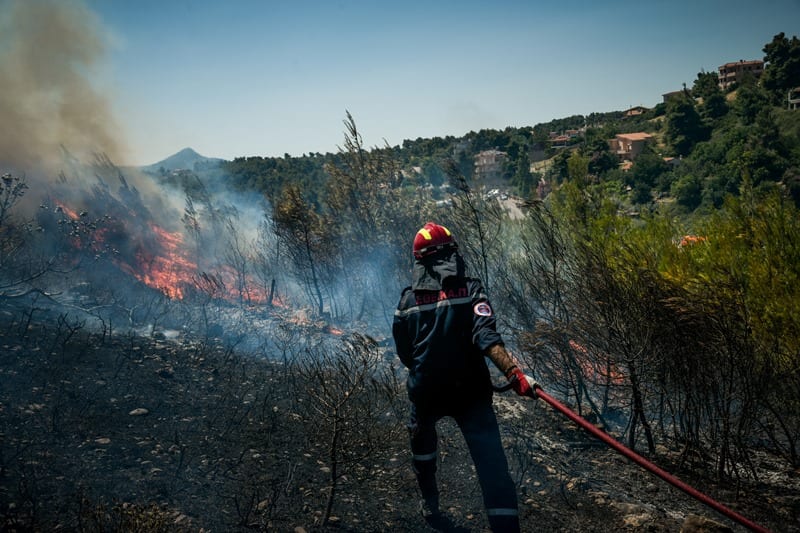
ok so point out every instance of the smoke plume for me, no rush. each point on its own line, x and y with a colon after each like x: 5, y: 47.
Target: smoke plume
x: 48, y: 52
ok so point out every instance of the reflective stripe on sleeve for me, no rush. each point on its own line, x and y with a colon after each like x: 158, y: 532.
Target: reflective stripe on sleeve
x: 428, y: 307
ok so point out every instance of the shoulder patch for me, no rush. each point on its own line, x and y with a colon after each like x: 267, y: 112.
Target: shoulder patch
x: 482, y: 309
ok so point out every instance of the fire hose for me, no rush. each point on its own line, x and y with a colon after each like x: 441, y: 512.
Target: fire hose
x: 537, y: 392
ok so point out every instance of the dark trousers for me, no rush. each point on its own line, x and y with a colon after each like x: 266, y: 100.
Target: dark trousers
x: 478, y: 424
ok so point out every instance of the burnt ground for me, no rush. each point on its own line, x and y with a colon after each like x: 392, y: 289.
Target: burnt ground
x: 126, y: 433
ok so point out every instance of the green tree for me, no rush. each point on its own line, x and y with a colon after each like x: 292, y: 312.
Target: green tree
x: 433, y: 172
x: 642, y: 193
x: 601, y: 159
x: 706, y: 88
x: 688, y: 191
x: 782, y: 70
x: 749, y: 272
x: 648, y: 167
x: 522, y: 179
x: 706, y: 84
x: 558, y: 171
x: 684, y: 127
x: 751, y: 99
x: 578, y: 168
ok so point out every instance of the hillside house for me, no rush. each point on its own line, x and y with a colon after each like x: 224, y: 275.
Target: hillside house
x: 635, y: 111
x: 629, y: 145
x: 731, y: 73
x: 559, y: 141
x: 563, y: 139
x: 672, y: 94
x: 489, y: 164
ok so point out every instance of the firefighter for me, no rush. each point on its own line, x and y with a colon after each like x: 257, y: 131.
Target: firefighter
x: 443, y: 328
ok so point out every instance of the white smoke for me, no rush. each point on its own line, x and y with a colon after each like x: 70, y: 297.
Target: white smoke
x: 49, y: 52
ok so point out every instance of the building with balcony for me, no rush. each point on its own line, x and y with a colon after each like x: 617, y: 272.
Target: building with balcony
x: 629, y: 145
x: 559, y: 141
x: 489, y: 164
x: 731, y: 73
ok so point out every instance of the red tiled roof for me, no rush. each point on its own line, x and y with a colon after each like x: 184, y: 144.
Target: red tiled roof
x: 638, y: 136
x: 751, y: 62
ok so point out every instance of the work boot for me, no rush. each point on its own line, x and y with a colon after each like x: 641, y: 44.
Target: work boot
x: 433, y: 516
x: 504, y: 524
x: 428, y: 508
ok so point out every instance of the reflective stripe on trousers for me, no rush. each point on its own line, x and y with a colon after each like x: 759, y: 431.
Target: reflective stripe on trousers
x: 478, y: 424
x: 502, y: 512
x: 425, y: 457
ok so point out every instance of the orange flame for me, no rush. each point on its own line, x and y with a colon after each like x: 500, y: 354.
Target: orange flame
x: 593, y: 369
x: 171, y: 271
x: 161, y: 260
x: 69, y: 212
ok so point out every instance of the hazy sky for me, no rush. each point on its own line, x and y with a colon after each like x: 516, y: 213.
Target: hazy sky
x: 239, y: 78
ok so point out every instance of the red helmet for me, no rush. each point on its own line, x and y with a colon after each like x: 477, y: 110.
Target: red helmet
x: 432, y: 238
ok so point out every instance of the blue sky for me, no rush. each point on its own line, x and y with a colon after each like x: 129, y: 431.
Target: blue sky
x: 242, y: 78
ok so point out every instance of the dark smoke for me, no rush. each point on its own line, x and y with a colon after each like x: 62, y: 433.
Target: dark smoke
x: 48, y: 53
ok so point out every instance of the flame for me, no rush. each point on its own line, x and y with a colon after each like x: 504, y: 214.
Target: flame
x: 168, y: 269
x: 594, y: 370
x: 60, y: 207
x: 249, y: 292
x: 301, y: 318
x: 80, y: 234
x: 164, y: 265
x: 161, y: 259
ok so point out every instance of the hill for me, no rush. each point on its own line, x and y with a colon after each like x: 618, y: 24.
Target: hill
x: 186, y: 159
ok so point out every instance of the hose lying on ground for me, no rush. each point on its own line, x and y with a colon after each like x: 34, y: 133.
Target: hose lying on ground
x: 537, y: 392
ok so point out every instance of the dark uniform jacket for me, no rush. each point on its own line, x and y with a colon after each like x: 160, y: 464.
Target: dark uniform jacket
x: 442, y: 327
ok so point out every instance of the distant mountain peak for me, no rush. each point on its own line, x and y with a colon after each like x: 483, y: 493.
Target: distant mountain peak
x: 189, y: 152
x: 186, y: 158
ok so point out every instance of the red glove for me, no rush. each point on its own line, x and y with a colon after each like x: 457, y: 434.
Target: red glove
x: 519, y: 381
